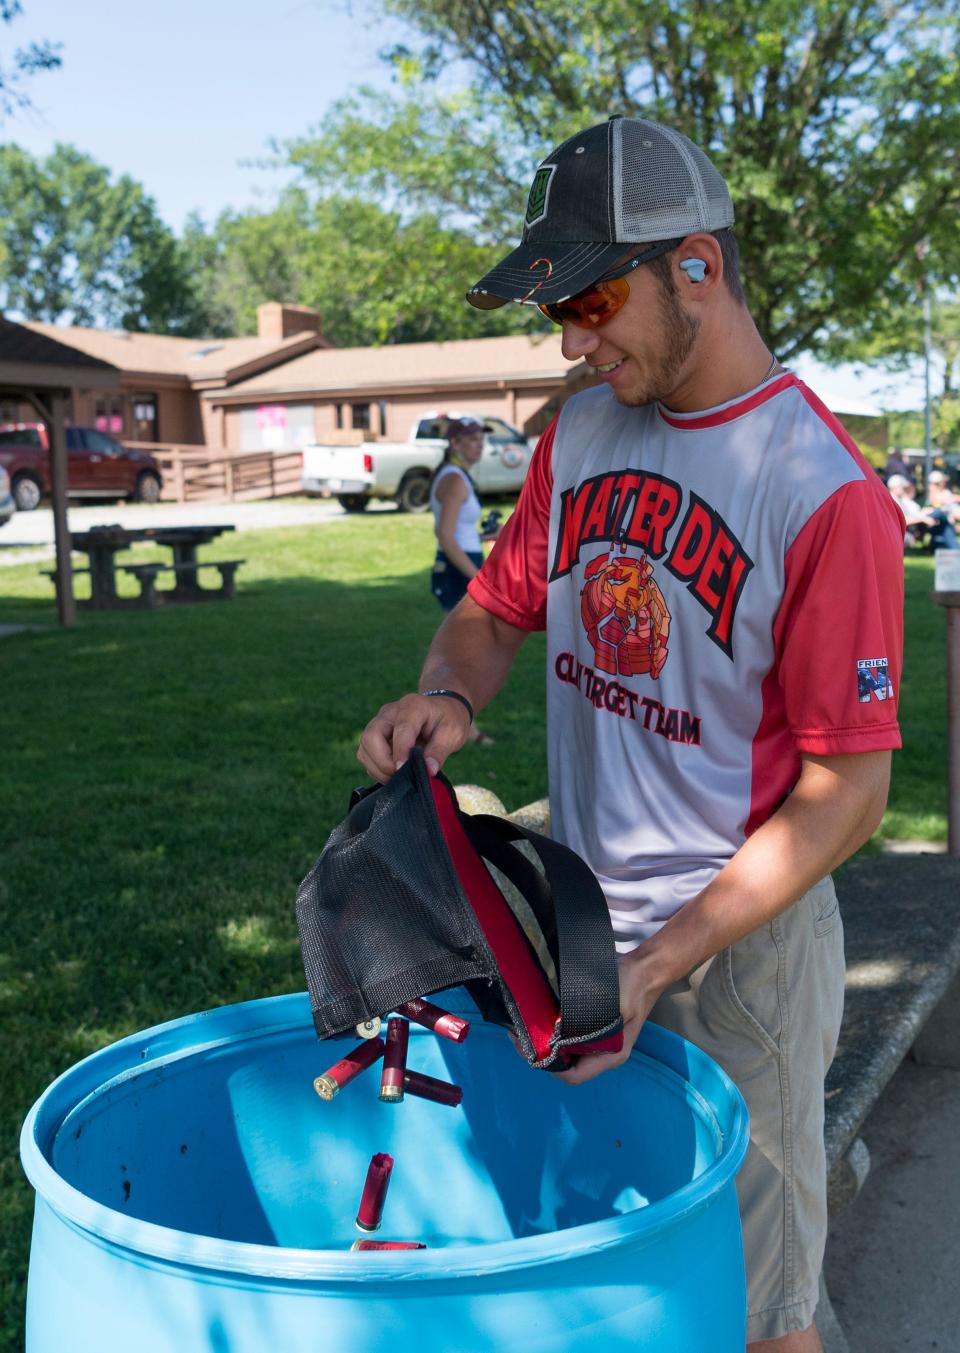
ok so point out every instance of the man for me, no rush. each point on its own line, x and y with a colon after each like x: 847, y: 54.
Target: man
x: 715, y: 565
x: 943, y: 508
x: 916, y: 518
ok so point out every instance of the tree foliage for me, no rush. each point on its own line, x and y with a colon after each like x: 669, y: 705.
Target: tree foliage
x: 78, y: 248
x: 375, y: 275
x: 23, y: 62
x: 836, y: 123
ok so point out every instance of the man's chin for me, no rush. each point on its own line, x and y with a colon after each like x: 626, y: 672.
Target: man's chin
x: 634, y: 399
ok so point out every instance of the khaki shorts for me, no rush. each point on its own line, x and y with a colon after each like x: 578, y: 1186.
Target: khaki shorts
x: 768, y: 1010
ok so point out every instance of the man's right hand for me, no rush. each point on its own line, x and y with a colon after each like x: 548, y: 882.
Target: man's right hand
x: 436, y: 723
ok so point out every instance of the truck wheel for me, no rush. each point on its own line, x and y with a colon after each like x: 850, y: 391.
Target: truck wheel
x: 414, y: 493
x: 354, y: 502
x: 26, y: 492
x: 148, y: 489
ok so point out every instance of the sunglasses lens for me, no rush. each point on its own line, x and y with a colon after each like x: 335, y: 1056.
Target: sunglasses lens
x: 592, y: 308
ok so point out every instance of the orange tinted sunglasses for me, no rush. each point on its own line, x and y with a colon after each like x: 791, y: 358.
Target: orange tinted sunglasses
x: 595, y: 306
x: 591, y: 308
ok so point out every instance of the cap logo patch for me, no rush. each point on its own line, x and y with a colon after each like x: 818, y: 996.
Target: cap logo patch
x: 539, y: 194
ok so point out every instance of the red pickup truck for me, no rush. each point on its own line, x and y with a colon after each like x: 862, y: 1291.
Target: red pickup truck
x: 97, y: 466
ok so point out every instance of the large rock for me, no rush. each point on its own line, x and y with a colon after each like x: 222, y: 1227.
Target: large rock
x: 475, y: 799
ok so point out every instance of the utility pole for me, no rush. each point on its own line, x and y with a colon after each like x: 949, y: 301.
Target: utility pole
x: 923, y: 248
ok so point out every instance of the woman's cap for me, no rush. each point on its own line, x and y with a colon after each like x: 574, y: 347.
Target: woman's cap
x: 625, y: 181
x: 459, y: 427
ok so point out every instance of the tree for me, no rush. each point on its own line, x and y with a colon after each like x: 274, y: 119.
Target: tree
x: 375, y: 276
x: 27, y: 61
x: 836, y: 123
x: 79, y: 248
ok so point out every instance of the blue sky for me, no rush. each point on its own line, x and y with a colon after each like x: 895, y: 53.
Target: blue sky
x: 178, y: 94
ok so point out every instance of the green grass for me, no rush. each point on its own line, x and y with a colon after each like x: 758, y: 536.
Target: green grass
x: 171, y: 776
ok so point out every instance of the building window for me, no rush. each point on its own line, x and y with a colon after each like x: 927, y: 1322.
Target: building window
x: 339, y: 409
x: 145, y: 418
x: 108, y: 415
x: 361, y: 416
x: 276, y: 427
x: 383, y: 417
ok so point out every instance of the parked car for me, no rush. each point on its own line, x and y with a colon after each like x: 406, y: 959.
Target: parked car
x: 401, y: 470
x: 7, y: 505
x: 98, y: 466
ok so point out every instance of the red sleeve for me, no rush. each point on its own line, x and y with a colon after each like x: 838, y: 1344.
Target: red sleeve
x: 839, y: 630
x: 513, y: 580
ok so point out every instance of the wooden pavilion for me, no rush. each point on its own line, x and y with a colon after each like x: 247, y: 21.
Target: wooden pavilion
x: 45, y: 373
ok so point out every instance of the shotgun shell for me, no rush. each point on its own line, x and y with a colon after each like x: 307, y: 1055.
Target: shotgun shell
x: 387, y: 1245
x: 369, y: 1028
x: 374, y: 1192
x: 427, y: 1087
x: 394, y: 1061
x: 432, y: 1017
x: 343, y: 1072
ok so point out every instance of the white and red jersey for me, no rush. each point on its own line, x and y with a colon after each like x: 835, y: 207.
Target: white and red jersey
x: 722, y: 591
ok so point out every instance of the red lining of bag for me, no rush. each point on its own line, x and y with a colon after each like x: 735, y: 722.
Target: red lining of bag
x: 530, y: 989
x: 612, y: 1044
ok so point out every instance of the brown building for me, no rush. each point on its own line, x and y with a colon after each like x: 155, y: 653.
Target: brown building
x: 289, y: 386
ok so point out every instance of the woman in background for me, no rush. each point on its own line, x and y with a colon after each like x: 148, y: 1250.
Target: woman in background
x: 456, y: 516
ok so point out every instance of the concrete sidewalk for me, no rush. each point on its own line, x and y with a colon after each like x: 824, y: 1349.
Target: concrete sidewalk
x: 892, y: 1256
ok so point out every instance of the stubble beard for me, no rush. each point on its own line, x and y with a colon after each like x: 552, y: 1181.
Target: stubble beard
x: 680, y: 334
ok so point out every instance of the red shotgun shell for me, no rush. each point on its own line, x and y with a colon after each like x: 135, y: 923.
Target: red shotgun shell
x: 343, y: 1072
x: 374, y: 1192
x: 387, y: 1245
x: 432, y: 1017
x: 427, y: 1087
x: 394, y: 1061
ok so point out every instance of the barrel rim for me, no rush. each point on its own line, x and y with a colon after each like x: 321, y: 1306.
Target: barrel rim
x: 275, y: 1014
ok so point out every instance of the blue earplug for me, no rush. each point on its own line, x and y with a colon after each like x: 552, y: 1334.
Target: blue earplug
x: 695, y: 268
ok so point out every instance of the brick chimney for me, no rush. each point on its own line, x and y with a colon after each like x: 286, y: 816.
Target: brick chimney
x: 277, y: 319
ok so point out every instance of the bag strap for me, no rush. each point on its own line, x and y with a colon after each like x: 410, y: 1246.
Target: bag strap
x: 587, y: 962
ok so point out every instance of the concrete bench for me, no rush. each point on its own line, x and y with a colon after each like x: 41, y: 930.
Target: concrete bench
x: 901, y: 918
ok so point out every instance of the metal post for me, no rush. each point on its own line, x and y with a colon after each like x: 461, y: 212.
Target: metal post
x: 927, y: 419
x: 953, y: 729
x: 922, y: 249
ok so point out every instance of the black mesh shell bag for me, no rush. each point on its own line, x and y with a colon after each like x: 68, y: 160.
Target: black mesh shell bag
x: 412, y: 896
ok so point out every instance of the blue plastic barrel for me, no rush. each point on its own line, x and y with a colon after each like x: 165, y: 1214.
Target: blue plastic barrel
x: 194, y: 1193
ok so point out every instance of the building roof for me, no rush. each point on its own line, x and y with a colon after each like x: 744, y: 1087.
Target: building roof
x: 194, y: 359
x: 465, y: 361
x: 21, y: 343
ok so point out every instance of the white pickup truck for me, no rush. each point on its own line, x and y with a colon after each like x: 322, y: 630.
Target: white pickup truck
x: 355, y: 474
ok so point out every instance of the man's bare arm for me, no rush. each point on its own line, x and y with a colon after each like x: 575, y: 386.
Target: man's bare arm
x: 472, y: 653
x: 836, y: 806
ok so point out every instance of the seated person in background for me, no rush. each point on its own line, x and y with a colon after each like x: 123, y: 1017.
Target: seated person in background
x: 896, y: 465
x: 943, y: 506
x: 918, y: 519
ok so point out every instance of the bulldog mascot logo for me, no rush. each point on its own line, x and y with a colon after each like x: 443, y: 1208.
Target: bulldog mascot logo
x: 625, y: 616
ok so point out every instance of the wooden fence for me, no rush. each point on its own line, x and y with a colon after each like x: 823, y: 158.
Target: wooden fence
x: 215, y: 474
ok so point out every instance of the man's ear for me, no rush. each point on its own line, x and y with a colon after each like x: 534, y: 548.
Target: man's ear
x: 699, y: 262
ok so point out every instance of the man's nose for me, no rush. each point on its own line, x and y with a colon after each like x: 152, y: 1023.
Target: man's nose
x: 577, y: 341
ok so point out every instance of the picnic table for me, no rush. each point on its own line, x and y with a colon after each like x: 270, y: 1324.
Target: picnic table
x: 102, y: 544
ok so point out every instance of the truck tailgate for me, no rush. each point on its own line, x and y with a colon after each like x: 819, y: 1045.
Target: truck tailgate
x: 336, y: 469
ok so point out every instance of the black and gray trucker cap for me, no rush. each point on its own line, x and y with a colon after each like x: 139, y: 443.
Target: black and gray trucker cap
x: 625, y: 181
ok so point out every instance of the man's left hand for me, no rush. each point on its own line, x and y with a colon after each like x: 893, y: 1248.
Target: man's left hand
x: 639, y: 992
